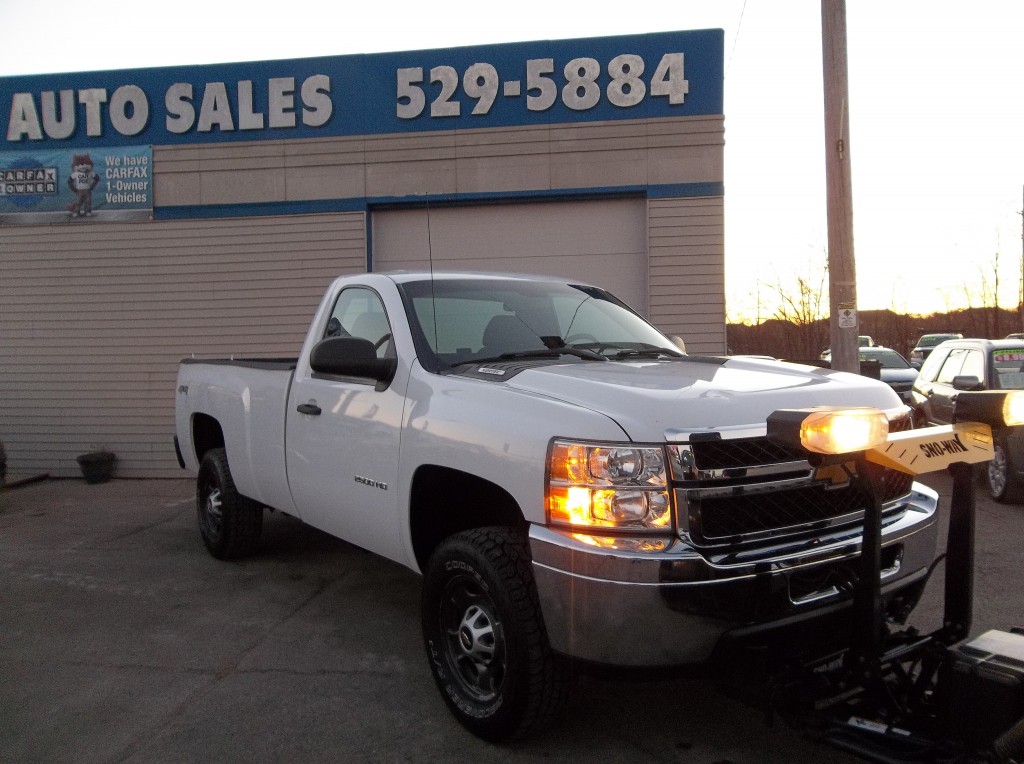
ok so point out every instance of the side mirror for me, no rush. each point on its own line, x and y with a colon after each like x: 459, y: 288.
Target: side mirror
x: 966, y: 382
x: 678, y: 342
x: 351, y: 357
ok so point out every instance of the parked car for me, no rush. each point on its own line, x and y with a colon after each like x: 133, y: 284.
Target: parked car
x: 927, y: 343
x: 896, y: 370
x: 974, y: 364
x: 863, y: 341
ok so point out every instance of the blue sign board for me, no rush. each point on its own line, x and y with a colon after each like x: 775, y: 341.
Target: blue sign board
x: 666, y: 74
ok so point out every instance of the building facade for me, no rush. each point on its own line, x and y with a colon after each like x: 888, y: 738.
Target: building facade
x: 156, y: 214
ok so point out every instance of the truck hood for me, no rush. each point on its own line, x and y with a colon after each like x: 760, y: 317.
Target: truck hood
x: 665, y: 400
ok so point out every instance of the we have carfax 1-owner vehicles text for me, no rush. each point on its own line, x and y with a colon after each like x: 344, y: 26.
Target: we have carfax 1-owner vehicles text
x: 574, y: 489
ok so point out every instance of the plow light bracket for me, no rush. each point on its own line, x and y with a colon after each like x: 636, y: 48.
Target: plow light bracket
x: 830, y: 434
x: 996, y: 408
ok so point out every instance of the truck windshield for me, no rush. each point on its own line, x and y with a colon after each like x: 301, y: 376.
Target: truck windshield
x: 457, y: 321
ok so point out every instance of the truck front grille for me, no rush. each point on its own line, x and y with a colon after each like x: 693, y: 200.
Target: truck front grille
x: 751, y: 490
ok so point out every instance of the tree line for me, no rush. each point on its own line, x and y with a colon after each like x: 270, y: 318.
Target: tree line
x: 802, y: 335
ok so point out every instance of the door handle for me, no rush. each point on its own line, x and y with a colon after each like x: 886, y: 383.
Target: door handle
x: 308, y: 408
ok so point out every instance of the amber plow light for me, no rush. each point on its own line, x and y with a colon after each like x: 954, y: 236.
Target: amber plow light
x: 996, y: 408
x: 865, y: 431
x: 829, y: 431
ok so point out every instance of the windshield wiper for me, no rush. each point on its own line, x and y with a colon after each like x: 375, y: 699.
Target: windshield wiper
x: 587, y: 355
x: 651, y: 353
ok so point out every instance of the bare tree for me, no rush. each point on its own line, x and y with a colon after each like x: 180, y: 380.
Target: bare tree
x: 987, y: 322
x: 803, y: 304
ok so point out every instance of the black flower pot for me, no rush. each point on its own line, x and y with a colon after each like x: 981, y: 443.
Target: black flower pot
x: 97, y: 467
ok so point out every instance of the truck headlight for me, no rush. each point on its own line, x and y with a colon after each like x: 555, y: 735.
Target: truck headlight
x: 608, y: 485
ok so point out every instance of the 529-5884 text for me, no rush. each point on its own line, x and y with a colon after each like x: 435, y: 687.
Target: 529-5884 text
x: 579, y: 90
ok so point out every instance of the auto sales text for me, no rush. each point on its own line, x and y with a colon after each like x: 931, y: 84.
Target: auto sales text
x: 211, y: 106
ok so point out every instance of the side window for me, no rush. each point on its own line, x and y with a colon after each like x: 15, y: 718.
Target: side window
x: 359, y: 312
x: 932, y: 364
x: 952, y: 366
x: 974, y: 365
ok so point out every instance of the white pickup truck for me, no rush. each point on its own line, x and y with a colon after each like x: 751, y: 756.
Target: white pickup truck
x: 574, y: 489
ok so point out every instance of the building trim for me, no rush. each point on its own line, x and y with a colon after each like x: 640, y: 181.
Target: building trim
x: 259, y: 209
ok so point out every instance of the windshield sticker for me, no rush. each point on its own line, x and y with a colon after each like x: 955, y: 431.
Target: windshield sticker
x: 1008, y: 356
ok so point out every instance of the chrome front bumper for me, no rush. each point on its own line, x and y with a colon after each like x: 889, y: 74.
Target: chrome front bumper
x: 610, y: 601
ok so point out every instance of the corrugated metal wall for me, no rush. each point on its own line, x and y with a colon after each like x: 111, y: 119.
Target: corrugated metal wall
x: 94, y: 319
x: 686, y: 256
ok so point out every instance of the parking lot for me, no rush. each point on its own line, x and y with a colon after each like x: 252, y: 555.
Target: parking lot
x: 123, y: 641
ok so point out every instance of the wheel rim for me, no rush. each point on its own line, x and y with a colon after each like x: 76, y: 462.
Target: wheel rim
x: 211, y: 512
x: 997, y: 468
x: 473, y: 638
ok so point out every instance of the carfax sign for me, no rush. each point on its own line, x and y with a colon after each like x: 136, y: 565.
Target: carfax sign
x: 669, y: 74
x: 72, y: 185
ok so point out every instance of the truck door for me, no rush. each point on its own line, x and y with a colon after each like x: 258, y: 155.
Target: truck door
x: 943, y: 395
x: 343, y: 437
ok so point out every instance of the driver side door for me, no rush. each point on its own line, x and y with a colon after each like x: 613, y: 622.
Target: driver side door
x: 343, y: 436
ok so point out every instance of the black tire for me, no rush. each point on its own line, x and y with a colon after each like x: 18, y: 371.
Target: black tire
x: 1001, y: 475
x: 229, y: 523
x: 485, y: 636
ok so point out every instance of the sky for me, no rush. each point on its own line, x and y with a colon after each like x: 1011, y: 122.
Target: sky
x: 936, y: 113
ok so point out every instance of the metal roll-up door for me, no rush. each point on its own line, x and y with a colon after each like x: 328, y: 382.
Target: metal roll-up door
x: 603, y: 241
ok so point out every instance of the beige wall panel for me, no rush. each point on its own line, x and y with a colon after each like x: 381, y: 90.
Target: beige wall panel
x: 499, y: 143
x: 326, y: 151
x: 171, y: 159
x: 692, y: 308
x: 242, y: 186
x: 178, y: 189
x: 503, y: 173
x: 411, y: 178
x: 94, y: 319
x: 431, y: 146
x: 590, y: 169
x: 324, y: 182
x: 672, y: 165
x: 244, y: 156
x: 602, y: 154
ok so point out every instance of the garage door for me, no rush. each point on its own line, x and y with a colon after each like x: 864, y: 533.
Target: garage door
x: 603, y: 242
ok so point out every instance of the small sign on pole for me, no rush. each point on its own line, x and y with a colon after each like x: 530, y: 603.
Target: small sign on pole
x: 847, y: 316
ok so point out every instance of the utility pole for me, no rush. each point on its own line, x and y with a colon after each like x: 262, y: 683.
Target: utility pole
x: 842, y: 271
x: 1020, y: 304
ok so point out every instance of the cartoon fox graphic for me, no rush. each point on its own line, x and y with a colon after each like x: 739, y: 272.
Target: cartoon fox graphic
x: 82, y: 181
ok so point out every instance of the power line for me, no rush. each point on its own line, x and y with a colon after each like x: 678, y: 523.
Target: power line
x: 735, y: 39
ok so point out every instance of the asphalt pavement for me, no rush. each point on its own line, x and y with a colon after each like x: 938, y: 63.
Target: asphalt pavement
x: 122, y: 640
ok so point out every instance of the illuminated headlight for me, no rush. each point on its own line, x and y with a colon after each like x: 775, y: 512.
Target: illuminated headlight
x: 608, y: 485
